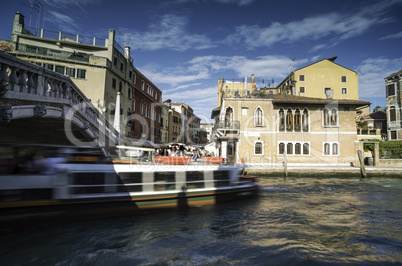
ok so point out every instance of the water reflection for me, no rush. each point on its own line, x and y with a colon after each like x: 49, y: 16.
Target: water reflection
x: 292, y: 222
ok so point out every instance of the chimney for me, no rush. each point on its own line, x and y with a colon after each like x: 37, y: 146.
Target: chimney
x: 127, y: 52
x: 18, y: 25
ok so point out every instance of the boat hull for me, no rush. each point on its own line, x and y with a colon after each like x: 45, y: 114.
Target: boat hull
x: 92, y: 191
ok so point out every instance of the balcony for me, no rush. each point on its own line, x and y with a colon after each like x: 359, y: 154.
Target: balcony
x: 369, y: 133
x: 228, y: 130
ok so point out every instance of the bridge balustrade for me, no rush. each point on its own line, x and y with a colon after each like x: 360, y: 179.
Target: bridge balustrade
x: 21, y: 80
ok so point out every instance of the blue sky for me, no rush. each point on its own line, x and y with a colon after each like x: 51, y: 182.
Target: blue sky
x: 184, y: 46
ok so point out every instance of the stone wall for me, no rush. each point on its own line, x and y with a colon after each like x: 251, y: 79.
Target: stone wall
x: 390, y: 162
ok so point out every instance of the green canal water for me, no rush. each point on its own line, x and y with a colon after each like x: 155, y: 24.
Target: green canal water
x: 294, y: 221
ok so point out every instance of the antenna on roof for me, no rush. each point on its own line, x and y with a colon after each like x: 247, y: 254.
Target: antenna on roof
x: 292, y: 65
x: 37, y: 5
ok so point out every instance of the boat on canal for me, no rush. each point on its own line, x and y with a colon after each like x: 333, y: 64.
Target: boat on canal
x: 87, y: 186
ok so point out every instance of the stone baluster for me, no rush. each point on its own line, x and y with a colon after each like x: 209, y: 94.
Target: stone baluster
x: 50, y: 90
x: 63, y: 90
x: 31, y: 82
x: 57, y: 89
x: 68, y: 92
x: 13, y: 78
x: 45, y: 86
x: 3, y: 72
x: 22, y: 80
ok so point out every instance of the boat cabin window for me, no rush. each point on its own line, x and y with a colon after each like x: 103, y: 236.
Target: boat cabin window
x: 221, y: 178
x: 195, y: 179
x: 88, y: 183
x: 132, y: 181
x: 164, y: 181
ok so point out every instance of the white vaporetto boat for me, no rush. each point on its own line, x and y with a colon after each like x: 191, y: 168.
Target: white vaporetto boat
x: 99, y: 188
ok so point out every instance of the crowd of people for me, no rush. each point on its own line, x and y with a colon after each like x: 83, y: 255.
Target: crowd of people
x: 184, y: 151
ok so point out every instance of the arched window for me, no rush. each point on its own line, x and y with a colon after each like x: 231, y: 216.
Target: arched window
x: 335, y: 149
x: 334, y: 117
x: 297, y: 148
x: 129, y: 92
x: 281, y: 148
x: 297, y: 120
x: 306, y: 148
x: 289, y: 148
x: 258, y: 147
x: 289, y: 120
x: 305, y: 120
x: 258, y: 117
x: 281, y: 120
x: 326, y: 117
x: 327, y: 149
x: 229, y: 117
x: 392, y: 113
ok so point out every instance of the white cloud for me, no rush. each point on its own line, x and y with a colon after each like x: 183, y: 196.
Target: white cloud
x: 201, y: 100
x: 372, y: 72
x: 169, y: 33
x: 68, y: 3
x: 392, y: 36
x: 64, y: 22
x: 336, y: 26
x: 181, y: 87
x: 235, y: 2
x: 202, y: 67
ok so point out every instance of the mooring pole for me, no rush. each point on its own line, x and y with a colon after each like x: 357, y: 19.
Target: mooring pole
x: 362, y: 167
x: 285, y: 163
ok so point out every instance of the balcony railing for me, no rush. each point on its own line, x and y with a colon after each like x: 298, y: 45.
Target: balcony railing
x: 52, y: 53
x: 58, y: 35
x: 228, y: 125
x: 26, y: 81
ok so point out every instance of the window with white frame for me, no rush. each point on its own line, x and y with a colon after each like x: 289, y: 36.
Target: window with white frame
x: 392, y: 114
x: 302, y: 78
x: 393, y: 135
x: 81, y: 73
x: 294, y: 148
x: 293, y: 121
x: 344, y: 79
x: 70, y: 72
x: 302, y: 89
x: 390, y: 89
x: 330, y: 117
x: 258, y: 117
x: 331, y: 148
x: 344, y: 90
x: 142, y: 85
x: 258, y: 147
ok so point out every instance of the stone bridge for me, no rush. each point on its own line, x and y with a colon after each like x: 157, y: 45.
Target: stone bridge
x: 44, y: 107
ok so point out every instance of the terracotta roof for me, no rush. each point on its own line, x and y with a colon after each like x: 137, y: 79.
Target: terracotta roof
x: 395, y: 74
x: 332, y: 59
x: 286, y: 98
x: 376, y: 115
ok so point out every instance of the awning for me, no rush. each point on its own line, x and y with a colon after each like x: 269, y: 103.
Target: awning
x: 215, y: 112
x: 141, y: 143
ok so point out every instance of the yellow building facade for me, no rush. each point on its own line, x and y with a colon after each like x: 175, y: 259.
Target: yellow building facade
x: 305, y: 130
x: 322, y: 79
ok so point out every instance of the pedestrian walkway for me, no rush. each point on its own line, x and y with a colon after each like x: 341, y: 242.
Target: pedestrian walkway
x: 322, y: 169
